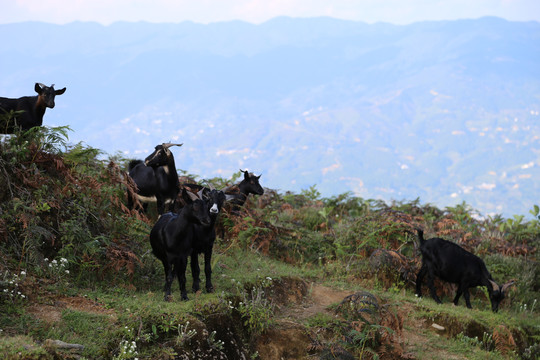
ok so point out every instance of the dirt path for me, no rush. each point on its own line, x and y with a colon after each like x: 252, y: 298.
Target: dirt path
x: 318, y: 300
x: 413, y: 341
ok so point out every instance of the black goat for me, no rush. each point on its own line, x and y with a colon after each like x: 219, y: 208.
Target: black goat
x: 452, y: 263
x: 156, y: 179
x: 205, y: 236
x: 237, y: 194
x: 31, y: 108
x: 172, y: 239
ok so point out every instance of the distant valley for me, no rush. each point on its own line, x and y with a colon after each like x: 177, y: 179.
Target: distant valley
x: 442, y: 111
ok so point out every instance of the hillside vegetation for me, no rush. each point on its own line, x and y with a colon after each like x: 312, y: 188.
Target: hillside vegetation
x: 297, y: 276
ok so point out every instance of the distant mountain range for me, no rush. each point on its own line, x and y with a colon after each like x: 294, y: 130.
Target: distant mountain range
x: 446, y: 111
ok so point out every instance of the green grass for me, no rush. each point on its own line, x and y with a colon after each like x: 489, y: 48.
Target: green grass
x: 22, y: 347
x: 441, y: 348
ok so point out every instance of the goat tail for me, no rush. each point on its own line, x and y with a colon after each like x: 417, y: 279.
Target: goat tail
x: 420, y: 235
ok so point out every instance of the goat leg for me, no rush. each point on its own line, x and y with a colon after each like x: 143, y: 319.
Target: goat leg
x: 160, y: 205
x: 195, y: 271
x: 458, y: 293
x: 181, y: 273
x: 467, y: 296
x: 169, y: 277
x: 431, y: 286
x: 419, y: 279
x: 208, y: 270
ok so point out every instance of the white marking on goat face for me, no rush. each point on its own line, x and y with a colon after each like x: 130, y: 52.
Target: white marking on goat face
x: 214, y: 209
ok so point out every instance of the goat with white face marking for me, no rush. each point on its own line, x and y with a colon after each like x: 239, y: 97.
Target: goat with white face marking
x: 205, y: 236
x: 32, y: 107
x: 156, y: 178
x: 451, y: 263
x: 172, y: 239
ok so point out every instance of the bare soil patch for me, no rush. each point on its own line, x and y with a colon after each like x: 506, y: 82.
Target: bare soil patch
x: 318, y: 299
x: 53, y: 313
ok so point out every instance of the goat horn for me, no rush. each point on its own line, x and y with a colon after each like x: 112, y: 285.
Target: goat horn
x: 495, y: 286
x: 200, y: 193
x: 211, y: 187
x: 168, y: 145
x: 507, y: 285
x: 192, y: 196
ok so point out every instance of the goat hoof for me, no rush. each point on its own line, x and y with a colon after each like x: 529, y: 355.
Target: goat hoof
x: 168, y: 298
x: 210, y: 289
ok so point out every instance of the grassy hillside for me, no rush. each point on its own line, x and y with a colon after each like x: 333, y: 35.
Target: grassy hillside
x: 297, y: 276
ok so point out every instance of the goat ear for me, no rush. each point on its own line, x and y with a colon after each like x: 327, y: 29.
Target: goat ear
x: 185, y: 196
x: 495, y: 285
x: 258, y: 177
x: 246, y: 174
x: 60, y: 92
x: 507, y: 285
x: 39, y: 88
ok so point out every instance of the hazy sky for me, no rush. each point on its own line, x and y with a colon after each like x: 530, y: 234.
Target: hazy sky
x: 257, y: 11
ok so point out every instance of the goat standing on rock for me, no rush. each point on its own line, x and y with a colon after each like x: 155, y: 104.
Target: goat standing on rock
x: 156, y: 179
x: 452, y: 263
x: 32, y: 108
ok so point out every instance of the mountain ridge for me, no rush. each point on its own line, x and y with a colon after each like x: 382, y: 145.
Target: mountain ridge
x: 445, y: 110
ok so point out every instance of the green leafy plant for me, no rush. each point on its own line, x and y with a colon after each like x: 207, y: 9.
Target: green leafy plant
x: 520, y: 231
x: 213, y: 342
x: 185, y: 335
x: 127, y: 350
x: 486, y: 343
x: 312, y: 193
x: 255, y: 308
